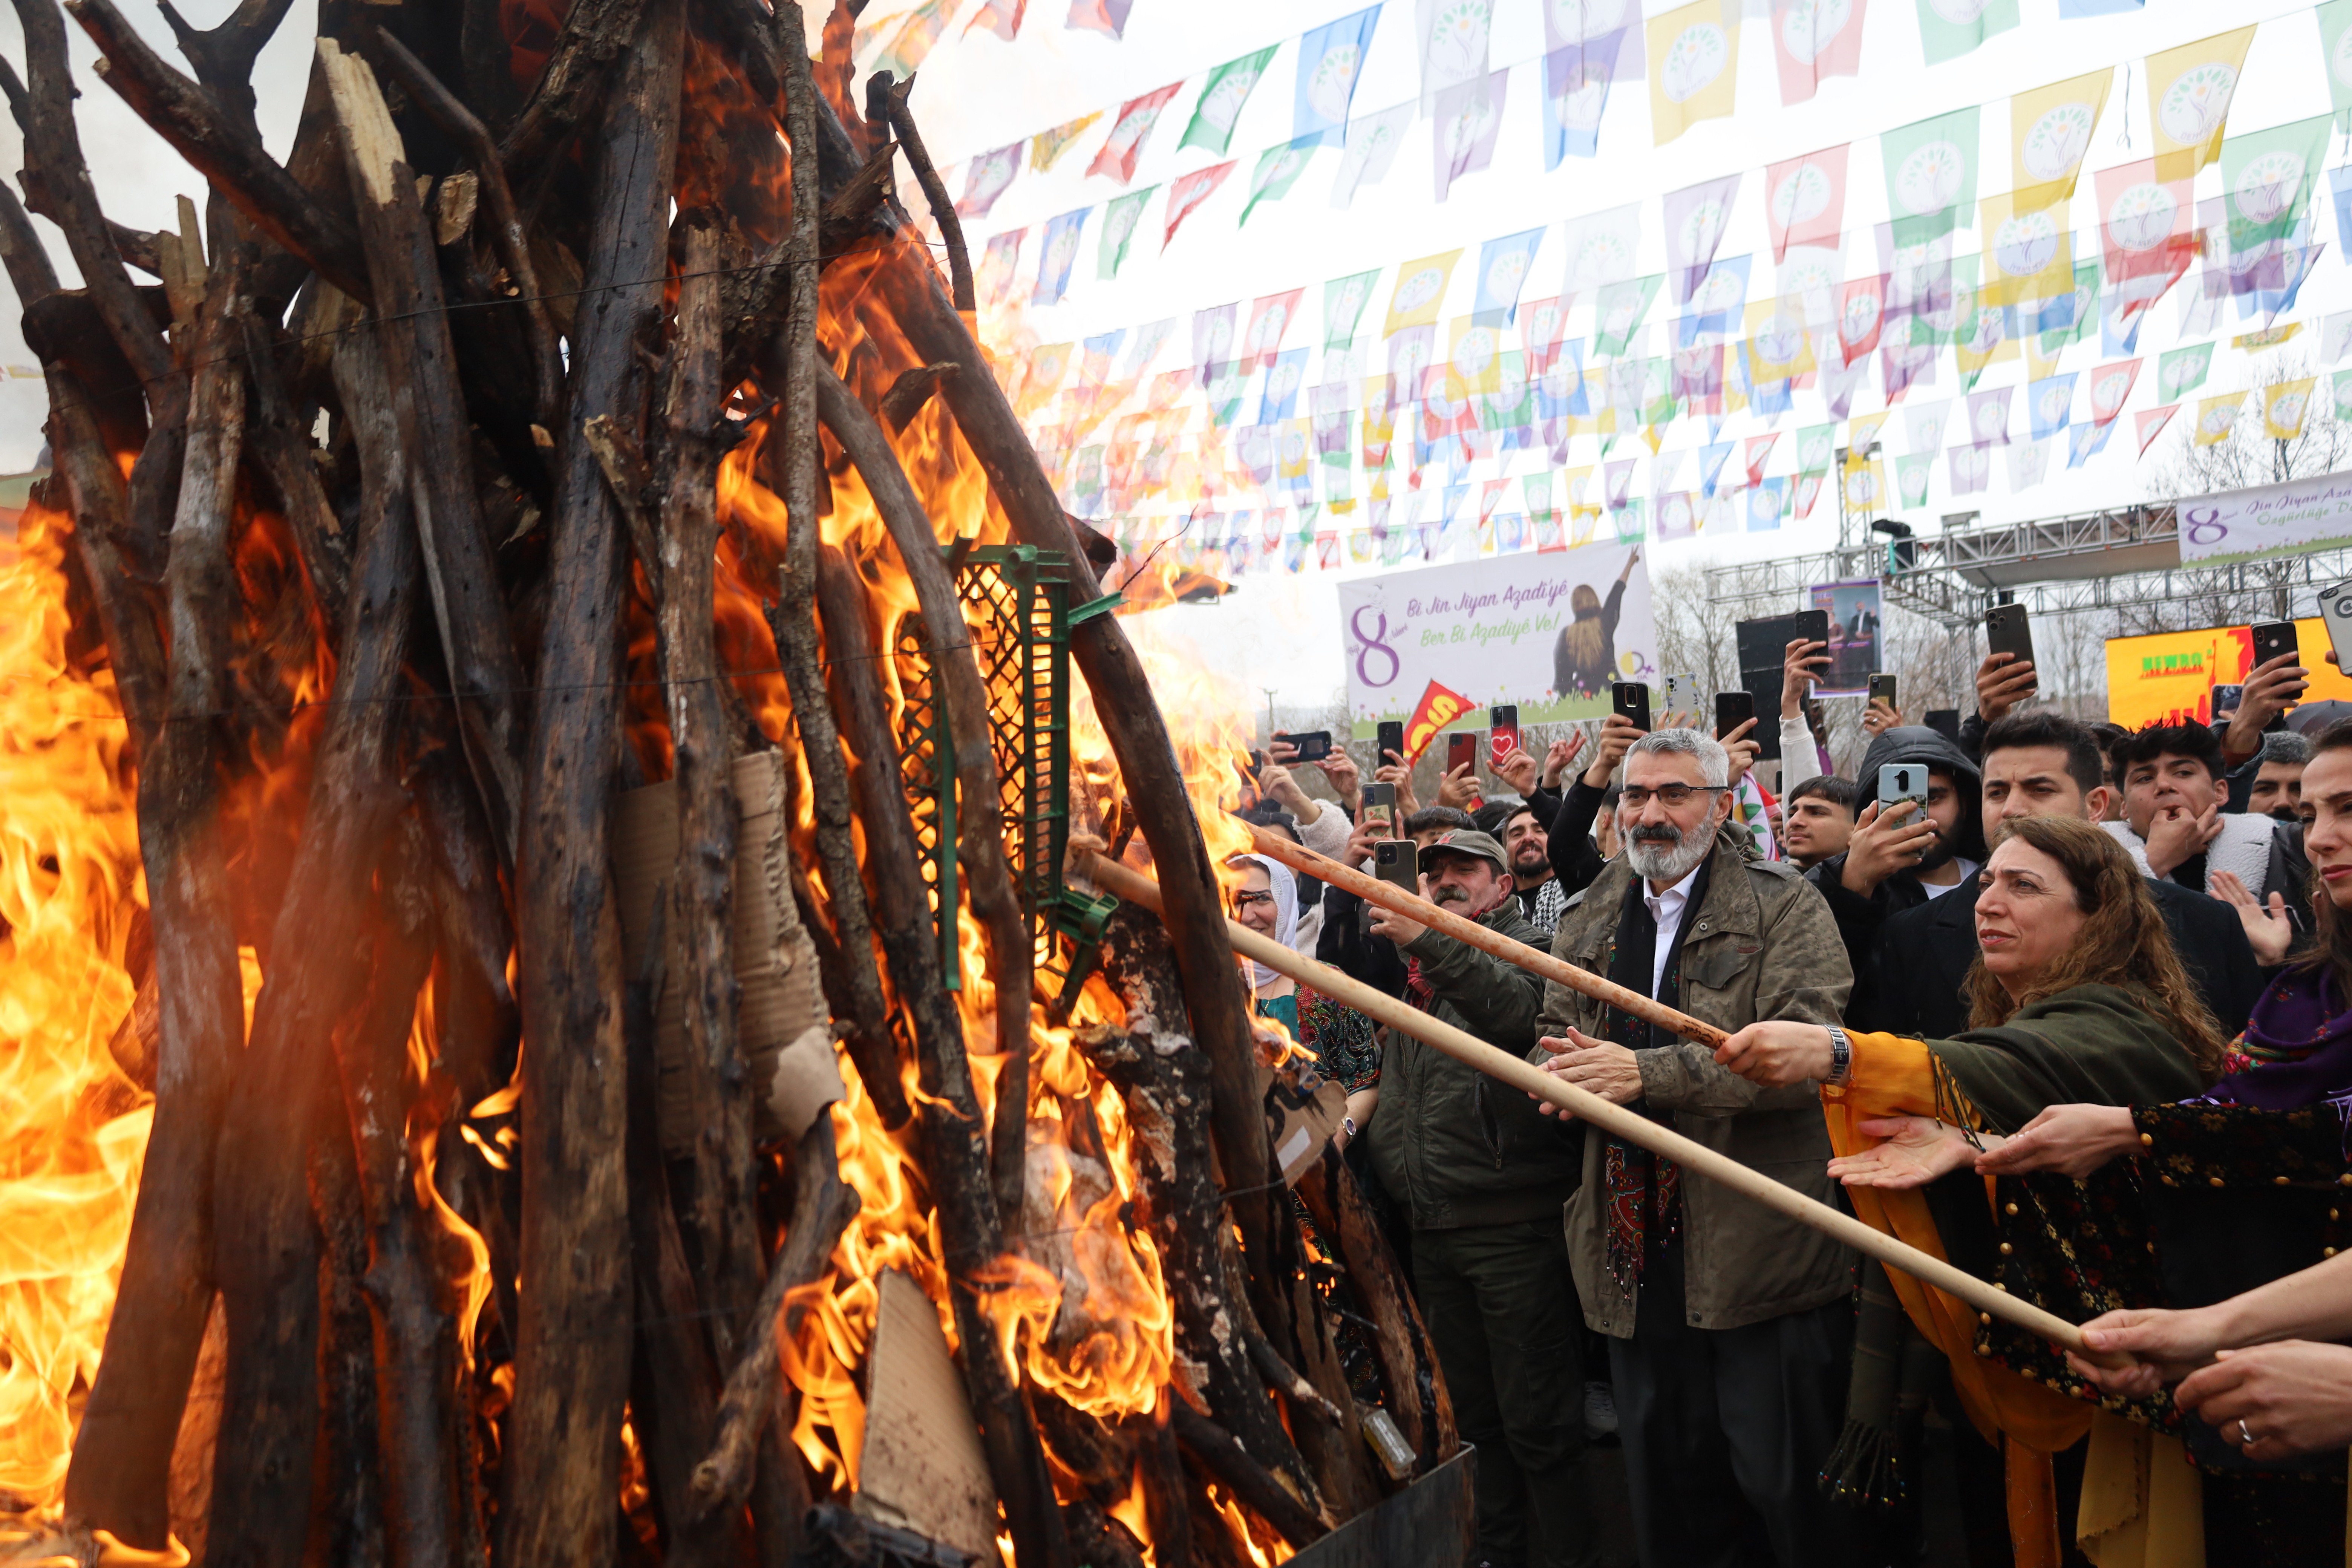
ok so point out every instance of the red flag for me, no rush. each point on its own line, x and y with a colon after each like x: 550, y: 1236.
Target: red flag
x: 1438, y: 707
x: 1862, y: 310
x: 1804, y: 200
x: 1270, y: 318
x: 2147, y: 227
x: 1002, y: 17
x: 2152, y: 423
x: 1137, y: 116
x: 1759, y: 449
x: 2110, y: 384
x: 1188, y: 192
x: 1812, y: 39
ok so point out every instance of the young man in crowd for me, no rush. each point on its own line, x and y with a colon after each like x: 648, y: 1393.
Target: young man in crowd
x: 1526, y: 845
x: 1728, y: 1326
x: 1817, y: 819
x: 2175, y: 827
x: 2040, y: 763
x: 1898, y: 857
x: 2276, y: 788
x: 1482, y: 1177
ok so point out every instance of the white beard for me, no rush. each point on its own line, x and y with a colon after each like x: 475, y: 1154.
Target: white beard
x: 1667, y: 863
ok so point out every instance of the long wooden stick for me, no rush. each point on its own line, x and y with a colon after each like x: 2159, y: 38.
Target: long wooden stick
x: 1388, y: 895
x: 1614, y: 1120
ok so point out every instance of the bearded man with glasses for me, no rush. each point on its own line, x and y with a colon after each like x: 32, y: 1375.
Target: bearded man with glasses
x: 1730, y: 1327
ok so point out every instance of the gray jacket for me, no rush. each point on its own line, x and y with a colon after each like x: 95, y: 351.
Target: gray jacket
x: 1760, y: 945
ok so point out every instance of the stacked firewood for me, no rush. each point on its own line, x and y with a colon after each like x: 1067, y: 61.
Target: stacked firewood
x: 396, y: 518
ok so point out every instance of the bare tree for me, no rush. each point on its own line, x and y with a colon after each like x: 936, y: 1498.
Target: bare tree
x: 2248, y: 457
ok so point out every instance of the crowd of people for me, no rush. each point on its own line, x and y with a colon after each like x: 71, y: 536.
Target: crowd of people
x: 2079, y: 1022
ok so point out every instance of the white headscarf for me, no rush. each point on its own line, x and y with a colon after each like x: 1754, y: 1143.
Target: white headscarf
x: 1286, y: 914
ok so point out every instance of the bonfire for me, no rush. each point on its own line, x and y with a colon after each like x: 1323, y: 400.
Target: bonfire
x: 542, y: 1020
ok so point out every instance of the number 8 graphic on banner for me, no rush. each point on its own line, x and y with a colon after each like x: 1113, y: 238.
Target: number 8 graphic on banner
x: 1373, y: 645
x: 2205, y: 525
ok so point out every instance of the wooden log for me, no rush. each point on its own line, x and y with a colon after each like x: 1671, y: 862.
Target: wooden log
x: 120, y: 1468
x: 795, y: 475
x: 1534, y: 960
x: 1251, y: 1482
x: 1160, y: 1474
x: 1148, y: 768
x: 979, y: 828
x: 822, y: 1206
x: 1346, y: 1223
x: 1165, y: 1081
x: 420, y: 361
x: 508, y: 235
x: 595, y: 33
x: 701, y: 924
x: 284, y: 449
x: 675, y: 1404
x: 571, y: 1343
x: 910, y: 393
x: 229, y: 156
x: 955, y: 1151
x: 349, y: 1525
x: 1617, y: 1121
x: 415, y: 1334
x: 935, y: 195
x: 53, y: 146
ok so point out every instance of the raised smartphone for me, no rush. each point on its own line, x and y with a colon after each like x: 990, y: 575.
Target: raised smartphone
x: 1313, y: 746
x: 2272, y: 638
x: 1882, y: 690
x: 2335, y: 609
x: 1398, y: 860
x: 1462, y: 750
x: 1380, y: 803
x: 1901, y: 780
x: 2006, y: 630
x: 1732, y: 709
x: 1631, y: 698
x: 1391, y: 739
x: 2228, y: 697
x: 1502, y: 732
x: 1681, y: 694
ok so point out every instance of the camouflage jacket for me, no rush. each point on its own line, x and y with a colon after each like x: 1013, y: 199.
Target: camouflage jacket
x: 1761, y: 945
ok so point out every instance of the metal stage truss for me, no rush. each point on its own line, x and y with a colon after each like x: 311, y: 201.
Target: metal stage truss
x: 2120, y: 560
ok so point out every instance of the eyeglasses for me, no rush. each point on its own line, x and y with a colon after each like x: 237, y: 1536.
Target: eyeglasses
x: 1251, y: 900
x: 1672, y: 797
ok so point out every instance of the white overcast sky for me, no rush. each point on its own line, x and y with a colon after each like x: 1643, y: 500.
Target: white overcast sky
x: 977, y: 93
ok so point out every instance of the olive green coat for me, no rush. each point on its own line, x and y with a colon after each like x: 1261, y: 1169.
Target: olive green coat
x: 1761, y: 945
x: 1451, y: 1144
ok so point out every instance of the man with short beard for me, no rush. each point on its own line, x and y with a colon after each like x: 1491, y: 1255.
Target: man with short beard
x: 1482, y: 1176
x: 1526, y: 845
x: 1729, y: 1325
x: 1902, y: 856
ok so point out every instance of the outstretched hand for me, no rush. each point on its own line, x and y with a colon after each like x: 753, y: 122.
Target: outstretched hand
x: 1913, y: 1151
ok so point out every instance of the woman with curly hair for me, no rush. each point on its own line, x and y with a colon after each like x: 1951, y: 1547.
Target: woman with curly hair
x: 2076, y: 996
x: 2248, y: 1186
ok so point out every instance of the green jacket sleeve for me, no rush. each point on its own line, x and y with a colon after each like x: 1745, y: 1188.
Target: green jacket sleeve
x: 1496, y: 1000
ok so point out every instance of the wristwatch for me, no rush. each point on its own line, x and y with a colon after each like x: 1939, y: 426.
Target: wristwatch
x: 1840, y: 1055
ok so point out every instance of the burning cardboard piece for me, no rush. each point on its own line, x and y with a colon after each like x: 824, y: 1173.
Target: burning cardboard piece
x: 922, y: 1466
x: 787, y: 1031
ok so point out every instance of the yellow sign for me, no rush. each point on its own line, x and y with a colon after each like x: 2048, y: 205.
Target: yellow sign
x: 2168, y: 679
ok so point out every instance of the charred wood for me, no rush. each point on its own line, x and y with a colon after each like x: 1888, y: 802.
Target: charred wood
x: 121, y: 1461
x: 228, y: 154
x: 571, y: 1350
x: 1348, y: 1227
x: 1146, y: 765
x: 1251, y: 1482
x: 1165, y: 1079
x: 980, y: 840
